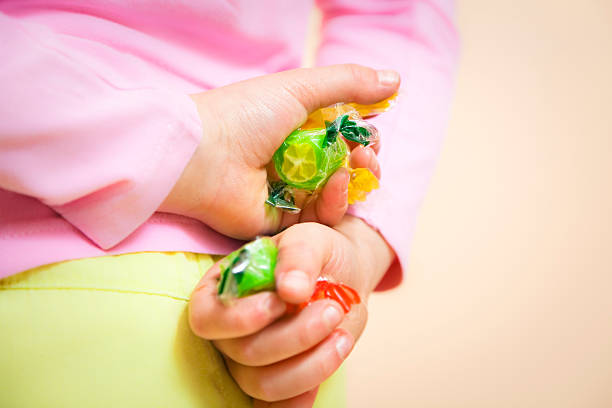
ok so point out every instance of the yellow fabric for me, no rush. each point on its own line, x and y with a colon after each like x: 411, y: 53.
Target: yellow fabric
x: 113, y: 332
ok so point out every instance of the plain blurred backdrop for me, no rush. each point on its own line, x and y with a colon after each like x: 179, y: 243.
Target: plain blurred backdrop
x: 508, y: 299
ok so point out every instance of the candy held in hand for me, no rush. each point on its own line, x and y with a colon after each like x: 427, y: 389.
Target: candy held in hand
x: 324, y: 289
x: 250, y: 270
x: 361, y: 182
x: 308, y: 157
x: 312, y: 153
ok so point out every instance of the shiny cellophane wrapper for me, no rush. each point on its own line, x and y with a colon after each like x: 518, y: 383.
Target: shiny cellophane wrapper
x: 248, y: 270
x: 324, y: 159
x: 321, y: 158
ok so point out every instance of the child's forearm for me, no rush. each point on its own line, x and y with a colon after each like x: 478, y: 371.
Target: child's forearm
x: 375, y: 255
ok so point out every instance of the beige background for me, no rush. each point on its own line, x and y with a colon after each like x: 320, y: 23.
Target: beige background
x: 508, y: 299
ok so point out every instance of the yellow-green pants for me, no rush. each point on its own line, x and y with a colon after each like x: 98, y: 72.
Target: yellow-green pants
x: 113, y: 332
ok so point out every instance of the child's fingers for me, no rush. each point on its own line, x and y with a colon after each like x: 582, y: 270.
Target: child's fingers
x: 365, y: 157
x: 297, y: 375
x: 299, y: 92
x: 322, y: 86
x: 285, y: 338
x: 211, y: 319
x: 305, y: 400
x: 327, y: 208
x: 332, y: 203
x: 303, y: 250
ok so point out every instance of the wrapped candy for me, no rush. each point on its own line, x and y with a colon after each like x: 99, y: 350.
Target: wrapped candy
x: 324, y: 289
x: 250, y: 270
x: 313, y: 152
x: 307, y: 158
x: 361, y: 182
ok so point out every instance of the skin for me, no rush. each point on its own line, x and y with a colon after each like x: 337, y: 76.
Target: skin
x: 225, y: 183
x: 225, y: 186
x: 279, y: 360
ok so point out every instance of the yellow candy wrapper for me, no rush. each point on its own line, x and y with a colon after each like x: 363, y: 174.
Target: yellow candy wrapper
x: 362, y: 181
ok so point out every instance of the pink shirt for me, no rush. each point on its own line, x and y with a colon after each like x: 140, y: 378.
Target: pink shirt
x: 96, y: 125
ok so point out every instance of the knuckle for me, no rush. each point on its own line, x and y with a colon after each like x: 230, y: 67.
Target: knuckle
x: 295, y: 241
x: 197, y: 321
x: 243, y: 322
x: 360, y: 74
x: 262, y: 389
x: 324, y: 367
x: 311, y: 229
x: 303, y: 91
x: 248, y: 320
x: 362, y: 77
x: 304, y: 337
x: 314, y: 331
x: 247, y: 354
x: 333, y: 213
x: 305, y: 248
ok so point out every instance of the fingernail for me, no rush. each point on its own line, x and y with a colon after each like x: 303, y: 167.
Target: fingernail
x: 331, y: 317
x: 344, y: 345
x: 388, y: 77
x: 295, y: 281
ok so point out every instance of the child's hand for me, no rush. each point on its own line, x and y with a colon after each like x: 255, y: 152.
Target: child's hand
x: 278, y: 358
x: 224, y: 185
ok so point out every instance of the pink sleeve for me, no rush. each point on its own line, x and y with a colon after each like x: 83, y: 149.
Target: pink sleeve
x: 75, y: 136
x: 418, y: 39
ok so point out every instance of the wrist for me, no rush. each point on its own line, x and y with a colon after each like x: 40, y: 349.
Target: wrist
x: 374, y: 255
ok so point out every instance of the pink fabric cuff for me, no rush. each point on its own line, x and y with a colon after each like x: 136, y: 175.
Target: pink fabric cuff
x: 109, y: 215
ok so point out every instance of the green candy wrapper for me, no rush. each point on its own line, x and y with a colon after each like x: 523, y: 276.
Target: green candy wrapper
x: 248, y: 270
x: 308, y: 157
x: 327, y: 154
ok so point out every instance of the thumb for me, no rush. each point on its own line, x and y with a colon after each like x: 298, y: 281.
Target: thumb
x: 314, y: 88
x: 278, y: 103
x: 307, y: 89
x: 303, y: 252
